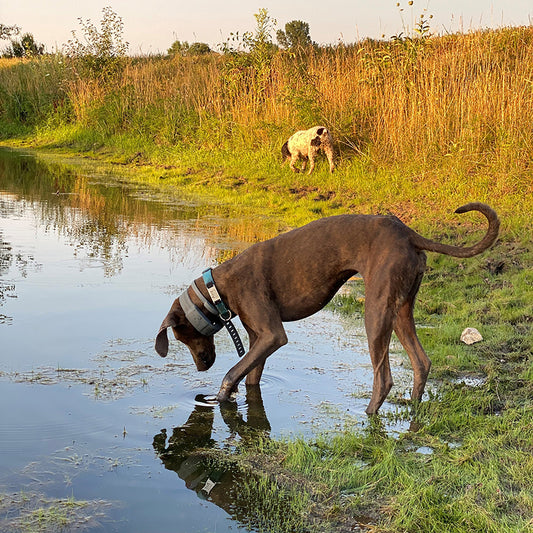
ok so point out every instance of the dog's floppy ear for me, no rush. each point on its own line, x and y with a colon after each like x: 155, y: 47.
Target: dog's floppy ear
x: 161, y: 341
x: 320, y: 131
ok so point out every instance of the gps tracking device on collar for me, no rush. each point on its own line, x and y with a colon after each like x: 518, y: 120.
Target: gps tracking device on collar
x: 223, y: 311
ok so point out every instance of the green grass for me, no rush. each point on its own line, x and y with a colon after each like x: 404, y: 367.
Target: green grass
x: 422, y: 129
x: 257, y: 179
x: 477, y: 477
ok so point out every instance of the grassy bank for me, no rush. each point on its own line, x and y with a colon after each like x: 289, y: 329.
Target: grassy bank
x: 422, y: 126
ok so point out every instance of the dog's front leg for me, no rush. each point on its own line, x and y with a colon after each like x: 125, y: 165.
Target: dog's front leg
x: 254, y: 376
x: 266, y: 343
x: 329, y: 155
x: 311, y: 161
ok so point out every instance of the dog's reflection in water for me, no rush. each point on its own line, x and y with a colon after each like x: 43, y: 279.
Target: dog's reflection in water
x: 189, y: 450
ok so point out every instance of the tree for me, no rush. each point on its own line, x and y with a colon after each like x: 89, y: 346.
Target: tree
x: 198, y: 49
x: 296, y: 35
x: 26, y: 47
x: 101, y: 50
x: 179, y: 48
x: 6, y: 32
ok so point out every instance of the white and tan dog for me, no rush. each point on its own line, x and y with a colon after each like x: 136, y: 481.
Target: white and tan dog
x: 305, y: 145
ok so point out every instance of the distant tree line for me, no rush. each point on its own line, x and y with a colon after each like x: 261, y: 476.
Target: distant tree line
x: 179, y: 48
x: 26, y: 46
x: 295, y: 35
x: 107, y: 41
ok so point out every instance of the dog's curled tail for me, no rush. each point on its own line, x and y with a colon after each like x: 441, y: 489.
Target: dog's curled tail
x: 465, y: 251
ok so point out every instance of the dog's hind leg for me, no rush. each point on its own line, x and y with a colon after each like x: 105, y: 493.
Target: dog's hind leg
x: 292, y: 162
x: 404, y: 327
x: 378, y: 324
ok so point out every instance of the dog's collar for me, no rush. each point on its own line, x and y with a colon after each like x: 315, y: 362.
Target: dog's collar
x: 199, y: 321
x: 223, y: 311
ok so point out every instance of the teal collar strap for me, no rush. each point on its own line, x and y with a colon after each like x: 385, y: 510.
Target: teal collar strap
x: 223, y: 312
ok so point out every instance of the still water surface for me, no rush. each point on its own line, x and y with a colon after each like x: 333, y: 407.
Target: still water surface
x: 88, y: 269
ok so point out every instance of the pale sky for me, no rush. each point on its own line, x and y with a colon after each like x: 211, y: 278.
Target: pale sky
x: 150, y: 26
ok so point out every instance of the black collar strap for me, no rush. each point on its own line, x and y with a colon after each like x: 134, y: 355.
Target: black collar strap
x: 224, y: 313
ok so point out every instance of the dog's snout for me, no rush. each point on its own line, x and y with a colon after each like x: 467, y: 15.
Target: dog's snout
x: 203, y: 359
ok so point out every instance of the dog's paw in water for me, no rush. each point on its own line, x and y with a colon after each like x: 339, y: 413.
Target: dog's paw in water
x: 206, y: 400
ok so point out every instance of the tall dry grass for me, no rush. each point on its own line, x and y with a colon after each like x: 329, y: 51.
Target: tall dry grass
x: 467, y: 95
x: 404, y: 99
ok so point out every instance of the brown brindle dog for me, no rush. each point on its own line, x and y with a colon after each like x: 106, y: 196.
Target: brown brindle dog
x: 297, y: 273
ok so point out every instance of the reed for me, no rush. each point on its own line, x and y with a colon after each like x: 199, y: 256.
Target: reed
x: 422, y: 125
x: 464, y: 95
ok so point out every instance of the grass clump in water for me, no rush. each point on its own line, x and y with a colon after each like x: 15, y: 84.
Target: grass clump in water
x: 28, y: 512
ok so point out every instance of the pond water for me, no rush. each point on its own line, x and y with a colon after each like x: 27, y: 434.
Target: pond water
x: 89, y: 266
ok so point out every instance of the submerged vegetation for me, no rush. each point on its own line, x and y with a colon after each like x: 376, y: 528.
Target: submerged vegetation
x: 422, y: 126
x: 31, y: 511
